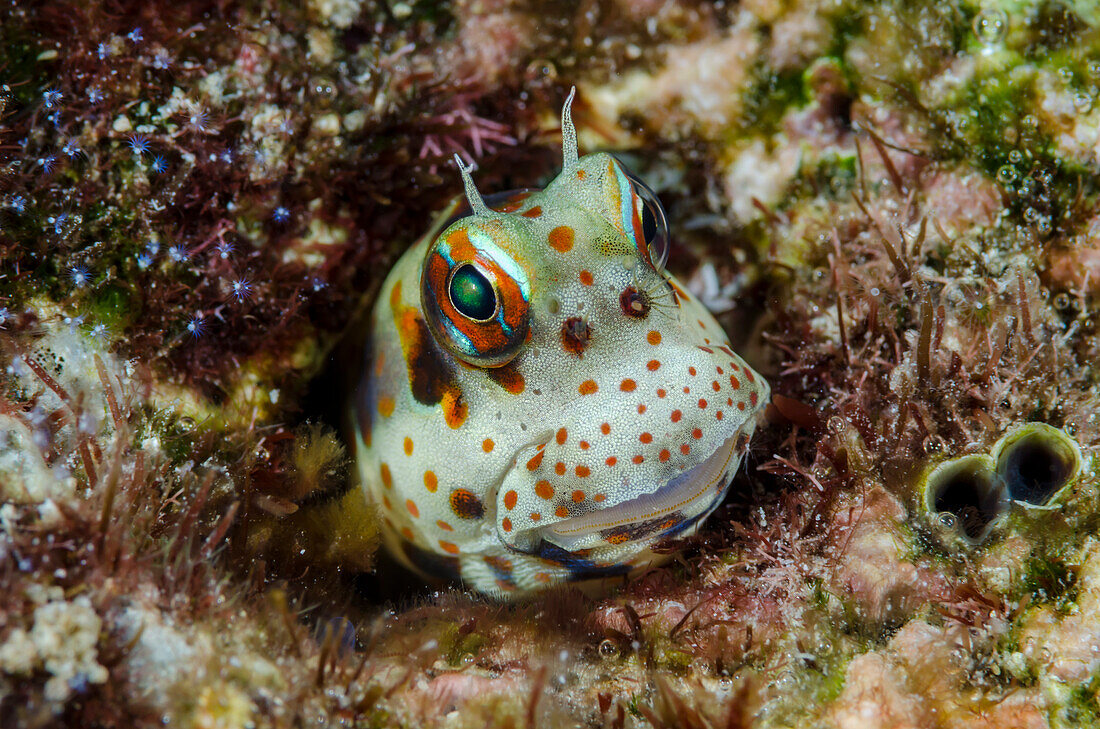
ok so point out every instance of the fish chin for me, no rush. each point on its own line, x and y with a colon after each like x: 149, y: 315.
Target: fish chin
x: 688, y: 498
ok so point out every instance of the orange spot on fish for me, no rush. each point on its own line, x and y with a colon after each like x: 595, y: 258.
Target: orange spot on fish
x: 561, y: 238
x: 385, y: 406
x: 454, y: 409
x: 544, y: 490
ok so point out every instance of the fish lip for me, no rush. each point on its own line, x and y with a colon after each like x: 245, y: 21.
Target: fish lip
x: 694, y: 484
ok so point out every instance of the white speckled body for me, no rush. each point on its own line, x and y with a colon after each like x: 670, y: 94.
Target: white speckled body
x: 599, y: 412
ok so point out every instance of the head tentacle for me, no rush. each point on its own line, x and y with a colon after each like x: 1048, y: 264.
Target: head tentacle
x: 568, y: 133
x: 477, y: 205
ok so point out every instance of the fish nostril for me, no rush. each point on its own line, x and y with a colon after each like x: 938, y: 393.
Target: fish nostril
x: 575, y: 335
x: 634, y: 303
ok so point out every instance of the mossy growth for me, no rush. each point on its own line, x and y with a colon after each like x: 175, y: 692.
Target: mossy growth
x: 768, y: 96
x: 1083, y: 707
x: 834, y: 175
x: 1052, y: 25
x: 833, y: 681
x: 989, y: 123
x: 1050, y: 580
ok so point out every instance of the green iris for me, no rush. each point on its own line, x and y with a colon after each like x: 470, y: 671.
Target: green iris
x: 472, y: 294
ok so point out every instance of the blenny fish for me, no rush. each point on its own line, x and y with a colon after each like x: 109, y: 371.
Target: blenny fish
x: 542, y: 401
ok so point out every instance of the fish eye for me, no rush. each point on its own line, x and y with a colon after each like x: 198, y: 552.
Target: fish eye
x: 471, y: 293
x: 475, y: 297
x: 654, y: 224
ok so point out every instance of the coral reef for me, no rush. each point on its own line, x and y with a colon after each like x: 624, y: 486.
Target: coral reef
x: 890, y: 205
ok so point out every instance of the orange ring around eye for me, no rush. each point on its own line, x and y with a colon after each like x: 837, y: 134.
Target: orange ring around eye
x: 487, y: 343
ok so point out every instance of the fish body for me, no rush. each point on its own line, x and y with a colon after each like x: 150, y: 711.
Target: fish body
x: 542, y: 402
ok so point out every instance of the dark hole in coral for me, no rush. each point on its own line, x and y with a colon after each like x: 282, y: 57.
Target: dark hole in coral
x: 327, y: 400
x: 1035, y: 468
x: 968, y: 494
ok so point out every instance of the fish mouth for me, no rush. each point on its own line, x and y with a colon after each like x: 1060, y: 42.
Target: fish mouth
x: 682, y: 500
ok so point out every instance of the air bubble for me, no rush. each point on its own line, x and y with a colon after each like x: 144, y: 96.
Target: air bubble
x: 1015, y: 156
x: 323, y: 89
x: 608, y: 649
x: 1007, y: 174
x: 934, y: 444
x: 540, y: 69
x: 990, y: 25
x: 1062, y: 301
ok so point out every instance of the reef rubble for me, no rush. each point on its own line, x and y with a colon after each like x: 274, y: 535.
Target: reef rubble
x: 891, y: 207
